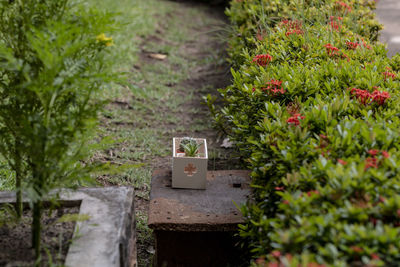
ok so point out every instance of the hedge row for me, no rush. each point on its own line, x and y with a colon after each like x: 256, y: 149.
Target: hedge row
x: 314, y: 110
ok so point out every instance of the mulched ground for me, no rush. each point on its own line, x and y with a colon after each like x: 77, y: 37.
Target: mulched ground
x: 15, y: 239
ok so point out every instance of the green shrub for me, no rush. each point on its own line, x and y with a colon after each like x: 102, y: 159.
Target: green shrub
x: 313, y: 108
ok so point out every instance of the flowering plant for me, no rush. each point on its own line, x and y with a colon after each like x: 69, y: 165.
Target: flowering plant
x: 325, y: 192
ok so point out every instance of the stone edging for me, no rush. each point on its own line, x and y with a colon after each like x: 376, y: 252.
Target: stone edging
x: 108, y: 238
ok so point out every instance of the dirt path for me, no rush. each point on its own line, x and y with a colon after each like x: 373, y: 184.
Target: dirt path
x: 205, y: 49
x: 210, y: 72
x: 177, y: 65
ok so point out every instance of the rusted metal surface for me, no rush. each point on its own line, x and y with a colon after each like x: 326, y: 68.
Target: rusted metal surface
x: 190, y: 210
x: 198, y: 249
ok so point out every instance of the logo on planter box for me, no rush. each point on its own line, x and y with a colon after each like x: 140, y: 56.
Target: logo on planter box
x: 190, y: 169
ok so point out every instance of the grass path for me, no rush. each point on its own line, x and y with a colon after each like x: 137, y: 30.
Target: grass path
x: 173, y: 53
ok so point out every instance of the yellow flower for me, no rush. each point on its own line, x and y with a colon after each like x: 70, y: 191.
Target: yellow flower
x: 108, y: 41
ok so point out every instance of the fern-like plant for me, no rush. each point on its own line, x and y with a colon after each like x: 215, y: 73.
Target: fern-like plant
x: 51, y: 68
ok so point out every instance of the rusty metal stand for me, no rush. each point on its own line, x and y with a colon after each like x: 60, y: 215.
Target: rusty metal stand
x: 197, y: 227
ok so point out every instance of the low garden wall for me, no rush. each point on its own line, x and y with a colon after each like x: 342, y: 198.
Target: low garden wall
x: 313, y: 109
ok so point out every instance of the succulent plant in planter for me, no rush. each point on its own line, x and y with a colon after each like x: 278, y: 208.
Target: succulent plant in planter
x: 186, y: 141
x: 189, y: 163
x: 191, y: 149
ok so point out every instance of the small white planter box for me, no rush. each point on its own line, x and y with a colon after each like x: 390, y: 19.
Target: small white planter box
x: 189, y: 172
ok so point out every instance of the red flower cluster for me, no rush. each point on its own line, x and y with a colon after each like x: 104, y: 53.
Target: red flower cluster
x: 262, y: 60
x: 331, y: 50
x: 295, y: 119
x: 352, y: 45
x: 298, y: 32
x: 335, y: 22
x: 342, y: 162
x: 366, y: 45
x: 276, y: 254
x: 372, y: 161
x: 274, y: 87
x: 312, y: 192
x: 335, y: 52
x: 357, y: 249
x: 293, y: 27
x: 342, y: 6
x: 380, y: 97
x: 292, y: 24
x: 374, y: 256
x: 365, y: 97
x: 388, y: 74
x: 374, y: 152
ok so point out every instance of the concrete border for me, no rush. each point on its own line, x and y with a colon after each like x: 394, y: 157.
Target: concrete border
x: 108, y: 238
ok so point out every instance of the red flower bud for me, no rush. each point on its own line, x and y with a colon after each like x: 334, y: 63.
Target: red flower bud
x: 356, y: 249
x: 276, y: 253
x: 385, y: 154
x: 262, y: 60
x: 373, y: 152
x: 374, y: 256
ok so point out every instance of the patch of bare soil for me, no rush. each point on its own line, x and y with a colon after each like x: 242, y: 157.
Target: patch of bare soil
x: 15, y: 239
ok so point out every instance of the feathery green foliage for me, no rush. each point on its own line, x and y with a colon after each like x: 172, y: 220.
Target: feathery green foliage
x: 51, y: 67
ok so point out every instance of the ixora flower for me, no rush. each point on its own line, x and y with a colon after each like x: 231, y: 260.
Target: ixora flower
x: 292, y: 27
x: 374, y: 256
x: 371, y: 162
x: 380, y: 97
x: 298, y: 32
x: 312, y: 192
x: 331, y: 50
x: 262, y: 60
x: 335, y: 22
x: 342, y: 6
x: 294, y: 120
x: 365, y: 97
x: 276, y: 253
x: 373, y: 152
x: 274, y: 87
x: 388, y: 74
x: 385, y: 154
x: 102, y: 38
x: 352, y: 45
x: 356, y: 249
